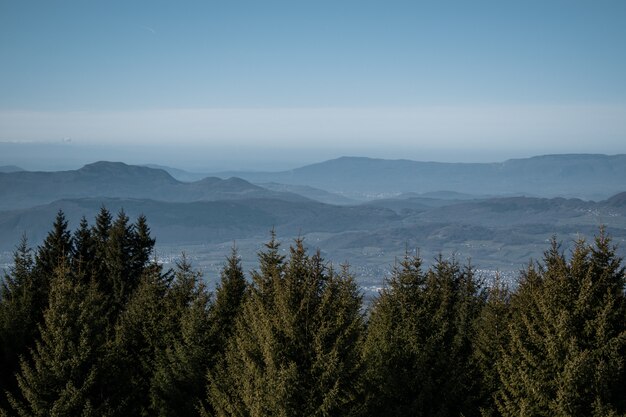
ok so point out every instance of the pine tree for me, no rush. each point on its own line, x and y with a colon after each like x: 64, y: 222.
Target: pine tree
x: 55, y: 251
x: 19, y: 316
x: 419, y: 344
x: 61, y: 379
x: 567, y: 336
x: 84, y: 257
x: 229, y: 296
x: 295, y: 350
x: 140, y: 336
x: 178, y: 383
x: 491, y: 335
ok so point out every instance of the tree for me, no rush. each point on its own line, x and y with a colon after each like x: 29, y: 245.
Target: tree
x: 55, y: 251
x: 179, y: 378
x: 84, y: 256
x: 491, y: 335
x: 419, y: 344
x: 19, y: 316
x: 141, y: 334
x: 295, y: 350
x: 61, y: 379
x: 567, y: 345
x: 229, y: 296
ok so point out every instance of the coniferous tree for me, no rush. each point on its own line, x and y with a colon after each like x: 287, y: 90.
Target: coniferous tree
x: 178, y: 383
x: 19, y: 316
x: 567, y: 343
x: 295, y: 350
x: 83, y: 259
x: 62, y: 376
x: 419, y: 345
x: 140, y: 335
x: 229, y: 296
x: 55, y: 251
x: 491, y: 335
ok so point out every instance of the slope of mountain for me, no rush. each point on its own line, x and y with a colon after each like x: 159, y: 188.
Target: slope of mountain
x: 500, y: 233
x: 10, y: 168
x: 313, y: 193
x: 576, y: 175
x: 115, y: 179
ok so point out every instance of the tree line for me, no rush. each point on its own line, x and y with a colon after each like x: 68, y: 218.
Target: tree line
x: 92, y: 325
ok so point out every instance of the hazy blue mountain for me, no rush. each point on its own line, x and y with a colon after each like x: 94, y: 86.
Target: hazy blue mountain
x: 500, y: 233
x: 10, y: 168
x: 575, y: 175
x: 115, y: 179
x: 180, y: 174
x: 201, y: 221
x: 313, y: 193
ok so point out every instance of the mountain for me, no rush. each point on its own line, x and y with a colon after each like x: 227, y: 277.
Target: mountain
x: 200, y: 221
x: 313, y: 193
x: 571, y: 175
x: 10, y: 168
x: 496, y: 233
x: 179, y: 174
x: 115, y: 179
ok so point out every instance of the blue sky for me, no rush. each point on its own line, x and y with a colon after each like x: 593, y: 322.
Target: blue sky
x: 453, y: 80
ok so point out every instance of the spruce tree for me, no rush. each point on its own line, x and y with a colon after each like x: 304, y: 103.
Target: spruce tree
x: 229, y: 296
x: 84, y: 257
x: 62, y: 376
x: 178, y: 383
x: 567, y: 336
x: 295, y: 350
x: 55, y: 251
x: 19, y: 316
x: 140, y: 336
x: 419, y: 345
x: 491, y: 335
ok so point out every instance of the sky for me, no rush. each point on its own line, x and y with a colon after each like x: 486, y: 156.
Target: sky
x: 262, y: 84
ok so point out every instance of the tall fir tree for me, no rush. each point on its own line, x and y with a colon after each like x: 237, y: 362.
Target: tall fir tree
x: 491, y: 335
x: 19, y: 316
x: 177, y: 386
x: 84, y: 256
x: 295, y: 350
x: 61, y: 378
x: 565, y: 355
x: 419, y: 345
x: 55, y: 251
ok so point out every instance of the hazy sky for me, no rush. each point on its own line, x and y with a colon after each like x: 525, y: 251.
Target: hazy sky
x: 446, y: 80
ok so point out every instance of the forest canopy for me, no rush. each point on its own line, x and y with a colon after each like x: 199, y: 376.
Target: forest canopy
x: 92, y: 325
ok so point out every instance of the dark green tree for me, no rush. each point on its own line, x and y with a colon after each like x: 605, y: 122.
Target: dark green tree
x: 55, y: 251
x: 419, y: 344
x: 19, y: 316
x: 84, y: 257
x: 62, y: 376
x: 565, y: 355
x: 491, y: 335
x: 229, y: 296
x: 177, y: 386
x: 295, y: 350
x: 141, y: 334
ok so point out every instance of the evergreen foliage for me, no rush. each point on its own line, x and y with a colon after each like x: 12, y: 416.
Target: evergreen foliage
x: 62, y: 377
x: 491, y: 334
x: 19, y: 315
x: 90, y: 326
x: 295, y: 350
x: 179, y: 380
x: 419, y: 345
x: 567, y: 346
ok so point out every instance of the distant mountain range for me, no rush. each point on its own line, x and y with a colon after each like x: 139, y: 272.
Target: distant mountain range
x: 482, y: 211
x: 577, y: 175
x: 114, y: 179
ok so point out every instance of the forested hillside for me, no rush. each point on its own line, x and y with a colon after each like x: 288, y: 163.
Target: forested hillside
x: 92, y: 325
